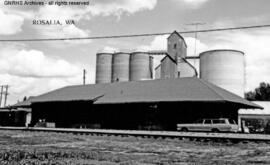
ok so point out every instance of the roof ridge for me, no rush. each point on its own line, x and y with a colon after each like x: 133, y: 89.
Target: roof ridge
x: 205, y: 83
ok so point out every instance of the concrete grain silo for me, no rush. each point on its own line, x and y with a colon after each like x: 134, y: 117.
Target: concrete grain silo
x: 141, y: 66
x: 224, y: 68
x: 104, y: 68
x: 120, y: 67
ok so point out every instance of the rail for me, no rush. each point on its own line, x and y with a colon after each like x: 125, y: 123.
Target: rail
x: 236, y: 137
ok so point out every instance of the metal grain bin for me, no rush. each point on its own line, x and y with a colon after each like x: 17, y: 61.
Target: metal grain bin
x: 224, y: 68
x: 120, y: 67
x: 104, y: 68
x: 141, y: 66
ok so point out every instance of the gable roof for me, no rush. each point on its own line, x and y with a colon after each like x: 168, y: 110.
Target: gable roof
x: 166, y: 90
x: 265, y: 111
x: 168, y: 56
x: 175, y: 32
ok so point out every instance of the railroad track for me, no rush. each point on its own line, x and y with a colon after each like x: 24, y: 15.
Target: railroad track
x: 201, y: 136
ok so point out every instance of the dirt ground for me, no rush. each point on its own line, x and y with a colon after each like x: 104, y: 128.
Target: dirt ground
x: 18, y: 147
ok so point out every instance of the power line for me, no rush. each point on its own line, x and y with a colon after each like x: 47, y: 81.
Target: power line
x: 133, y: 35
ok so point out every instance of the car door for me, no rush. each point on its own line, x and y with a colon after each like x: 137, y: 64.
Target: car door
x: 221, y: 125
x: 197, y: 126
x: 207, y: 125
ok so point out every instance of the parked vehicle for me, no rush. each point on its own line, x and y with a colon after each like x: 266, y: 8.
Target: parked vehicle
x: 210, y: 125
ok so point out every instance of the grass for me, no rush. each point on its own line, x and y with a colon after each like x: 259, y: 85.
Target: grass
x: 18, y: 147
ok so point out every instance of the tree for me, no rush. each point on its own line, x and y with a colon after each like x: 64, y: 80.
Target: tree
x: 262, y: 93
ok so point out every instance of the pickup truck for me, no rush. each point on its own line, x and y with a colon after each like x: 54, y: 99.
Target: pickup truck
x: 210, y: 125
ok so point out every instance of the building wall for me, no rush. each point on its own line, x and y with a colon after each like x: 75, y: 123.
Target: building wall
x: 158, y: 116
x: 158, y: 72
x: 63, y: 114
x: 168, y: 68
x: 184, y: 69
x: 13, y: 118
x: 176, y: 46
x: 196, y: 63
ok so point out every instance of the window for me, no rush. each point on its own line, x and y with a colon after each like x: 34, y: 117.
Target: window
x: 174, y: 46
x: 207, y: 122
x: 219, y: 122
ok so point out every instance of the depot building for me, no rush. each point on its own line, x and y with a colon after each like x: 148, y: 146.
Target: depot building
x: 153, y: 104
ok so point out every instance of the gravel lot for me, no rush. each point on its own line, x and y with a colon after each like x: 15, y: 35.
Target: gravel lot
x: 18, y: 147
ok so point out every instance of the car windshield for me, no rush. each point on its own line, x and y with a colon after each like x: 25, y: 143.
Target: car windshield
x: 219, y: 121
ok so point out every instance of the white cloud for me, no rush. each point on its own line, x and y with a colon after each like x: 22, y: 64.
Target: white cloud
x: 34, y: 63
x: 60, y: 13
x: 193, y: 3
x: 108, y: 49
x: 28, y: 86
x: 12, y: 20
x: 119, y: 7
x: 73, y: 31
x: 99, y: 8
x: 200, y: 46
x: 31, y: 72
x: 158, y: 43
x: 10, y: 23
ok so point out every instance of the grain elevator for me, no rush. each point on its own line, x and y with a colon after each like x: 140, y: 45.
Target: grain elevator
x: 224, y: 68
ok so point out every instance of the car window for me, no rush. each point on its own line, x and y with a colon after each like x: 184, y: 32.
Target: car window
x: 218, y: 121
x: 207, y: 122
x: 231, y: 121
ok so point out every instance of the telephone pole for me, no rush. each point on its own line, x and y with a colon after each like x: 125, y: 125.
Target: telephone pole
x: 2, y: 88
x: 196, y: 24
x: 3, y: 94
x: 6, y: 93
x: 84, y: 73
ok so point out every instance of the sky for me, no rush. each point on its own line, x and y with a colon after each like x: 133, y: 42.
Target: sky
x: 33, y: 68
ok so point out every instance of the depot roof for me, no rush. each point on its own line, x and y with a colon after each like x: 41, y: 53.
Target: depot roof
x: 166, y: 90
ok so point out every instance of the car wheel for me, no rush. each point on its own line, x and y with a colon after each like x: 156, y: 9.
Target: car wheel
x: 215, y: 130
x: 184, y: 129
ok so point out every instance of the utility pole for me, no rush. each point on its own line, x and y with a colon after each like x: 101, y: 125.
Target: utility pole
x: 196, y: 24
x: 3, y: 95
x: 2, y: 87
x: 6, y: 93
x: 84, y: 73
